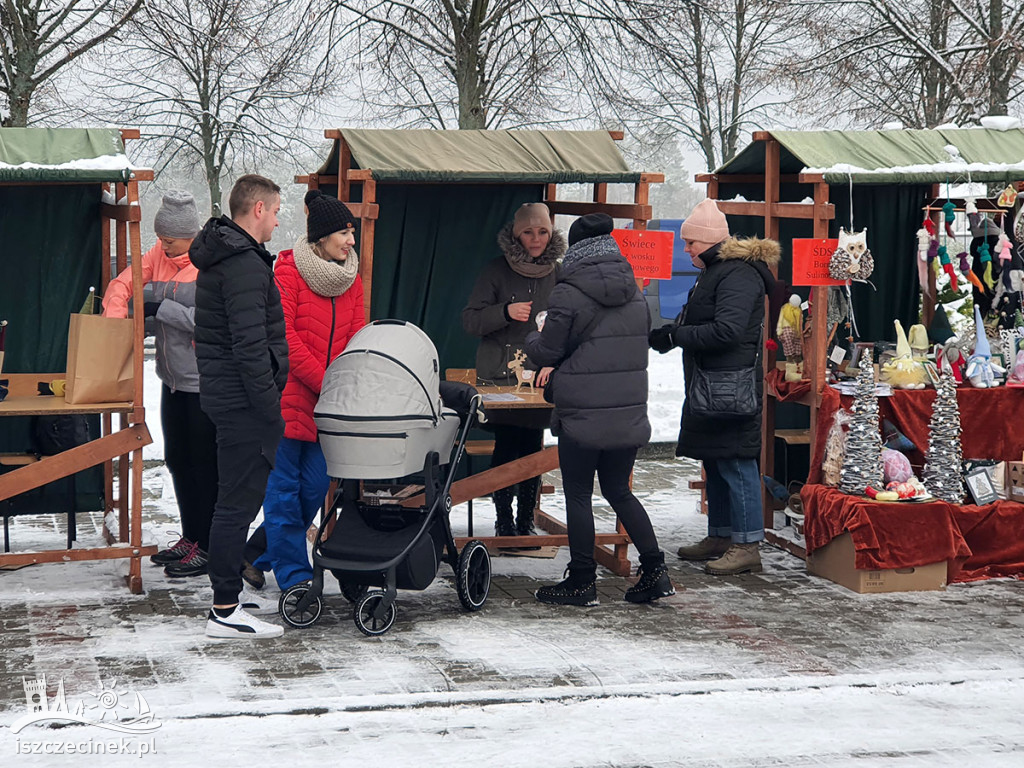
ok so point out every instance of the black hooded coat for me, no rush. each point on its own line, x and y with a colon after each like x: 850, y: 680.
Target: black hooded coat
x: 596, y: 337
x: 240, y: 339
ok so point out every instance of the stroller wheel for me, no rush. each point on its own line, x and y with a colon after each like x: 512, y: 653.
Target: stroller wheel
x: 473, y: 579
x: 364, y: 618
x: 288, y: 606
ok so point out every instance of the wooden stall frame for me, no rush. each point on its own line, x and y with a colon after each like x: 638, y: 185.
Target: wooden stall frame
x: 125, y: 443
x: 638, y: 212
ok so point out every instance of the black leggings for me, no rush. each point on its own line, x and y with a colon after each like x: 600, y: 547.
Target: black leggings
x: 190, y: 452
x: 613, y: 467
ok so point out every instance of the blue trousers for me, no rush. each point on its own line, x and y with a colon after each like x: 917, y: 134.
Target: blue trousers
x: 734, y: 499
x: 295, y: 492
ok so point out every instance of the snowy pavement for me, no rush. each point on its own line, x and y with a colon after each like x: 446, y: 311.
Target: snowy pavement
x: 772, y: 669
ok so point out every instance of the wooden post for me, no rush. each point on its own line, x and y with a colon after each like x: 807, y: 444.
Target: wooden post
x: 771, y: 232
x: 600, y: 193
x: 366, y: 248
x: 106, y: 422
x: 819, y: 329
x: 138, y: 416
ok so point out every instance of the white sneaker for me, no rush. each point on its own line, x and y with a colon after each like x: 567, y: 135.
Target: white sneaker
x: 240, y: 625
x: 256, y: 604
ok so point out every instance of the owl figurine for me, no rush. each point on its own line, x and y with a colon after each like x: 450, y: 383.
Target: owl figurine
x: 852, y: 260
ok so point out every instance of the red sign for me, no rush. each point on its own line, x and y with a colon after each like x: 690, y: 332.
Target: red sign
x: 649, y: 252
x: 810, y: 261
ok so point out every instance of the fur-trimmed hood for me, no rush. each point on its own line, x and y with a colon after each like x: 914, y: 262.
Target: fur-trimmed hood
x: 752, y: 249
x: 514, y: 251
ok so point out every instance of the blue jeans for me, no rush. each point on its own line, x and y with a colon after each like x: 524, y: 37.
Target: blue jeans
x: 734, y: 499
x: 295, y: 492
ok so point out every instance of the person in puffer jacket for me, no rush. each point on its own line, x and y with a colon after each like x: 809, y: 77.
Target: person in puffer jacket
x: 595, y: 336
x: 190, y: 440
x: 322, y: 298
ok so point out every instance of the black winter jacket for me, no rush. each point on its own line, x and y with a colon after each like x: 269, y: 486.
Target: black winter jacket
x: 720, y: 328
x: 240, y: 334
x: 596, y: 336
x: 484, y: 314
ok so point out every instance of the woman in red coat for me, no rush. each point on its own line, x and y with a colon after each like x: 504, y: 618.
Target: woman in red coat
x: 322, y: 298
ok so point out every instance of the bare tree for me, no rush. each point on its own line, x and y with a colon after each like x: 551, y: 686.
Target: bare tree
x: 708, y: 70
x: 218, y: 83
x: 487, y: 63
x: 922, y: 62
x: 38, y: 38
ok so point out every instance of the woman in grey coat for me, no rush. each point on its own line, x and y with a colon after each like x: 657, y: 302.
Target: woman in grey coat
x: 509, y: 294
x: 595, y: 335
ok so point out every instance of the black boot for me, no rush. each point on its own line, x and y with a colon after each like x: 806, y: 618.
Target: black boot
x: 526, y: 501
x: 653, y: 583
x: 578, y: 588
x: 503, y: 524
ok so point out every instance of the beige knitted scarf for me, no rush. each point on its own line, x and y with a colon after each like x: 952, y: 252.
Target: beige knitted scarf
x: 325, y: 278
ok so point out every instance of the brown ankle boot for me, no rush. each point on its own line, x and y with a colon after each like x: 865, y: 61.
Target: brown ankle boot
x: 707, y: 548
x: 740, y: 558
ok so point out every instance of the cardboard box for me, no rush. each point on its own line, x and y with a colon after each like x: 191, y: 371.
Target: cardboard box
x: 836, y: 562
x: 1015, y: 480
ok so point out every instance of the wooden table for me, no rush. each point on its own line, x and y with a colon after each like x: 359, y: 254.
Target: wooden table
x: 31, y: 473
x: 610, y: 549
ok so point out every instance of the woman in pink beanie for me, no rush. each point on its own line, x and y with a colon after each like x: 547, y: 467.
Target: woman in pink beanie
x: 720, y: 329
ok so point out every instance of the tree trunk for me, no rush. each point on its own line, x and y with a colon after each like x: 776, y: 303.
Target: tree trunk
x: 469, y: 74
x: 998, y: 75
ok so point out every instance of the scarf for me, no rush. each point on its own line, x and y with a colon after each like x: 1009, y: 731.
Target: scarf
x: 325, y: 278
x: 519, y: 260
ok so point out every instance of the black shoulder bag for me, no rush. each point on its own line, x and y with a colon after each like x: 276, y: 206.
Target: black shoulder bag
x: 724, y: 394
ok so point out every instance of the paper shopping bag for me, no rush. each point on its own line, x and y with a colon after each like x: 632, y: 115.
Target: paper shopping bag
x: 100, y: 366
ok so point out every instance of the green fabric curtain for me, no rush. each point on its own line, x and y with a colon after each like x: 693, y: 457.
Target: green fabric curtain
x: 49, y: 256
x: 431, y: 242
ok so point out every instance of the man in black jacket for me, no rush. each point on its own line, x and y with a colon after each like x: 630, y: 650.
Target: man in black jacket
x: 243, y: 363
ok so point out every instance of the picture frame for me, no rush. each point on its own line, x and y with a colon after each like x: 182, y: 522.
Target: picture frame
x: 858, y: 351
x: 979, y: 485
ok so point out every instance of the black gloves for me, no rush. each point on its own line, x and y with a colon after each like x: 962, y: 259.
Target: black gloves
x: 151, y: 308
x: 661, y: 339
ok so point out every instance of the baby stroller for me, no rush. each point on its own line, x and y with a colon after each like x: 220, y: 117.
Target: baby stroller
x: 381, y: 417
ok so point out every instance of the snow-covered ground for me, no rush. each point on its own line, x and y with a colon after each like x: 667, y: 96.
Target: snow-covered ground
x: 773, y: 670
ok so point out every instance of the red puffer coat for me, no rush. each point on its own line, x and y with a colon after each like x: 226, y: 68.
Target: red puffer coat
x: 318, y: 329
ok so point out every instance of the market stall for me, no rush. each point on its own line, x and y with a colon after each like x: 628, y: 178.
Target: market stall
x: 70, y: 215
x: 806, y: 185
x: 431, y: 204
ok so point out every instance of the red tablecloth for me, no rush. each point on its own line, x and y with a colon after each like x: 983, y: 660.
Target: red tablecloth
x: 987, y: 417
x: 785, y: 391
x: 979, y: 542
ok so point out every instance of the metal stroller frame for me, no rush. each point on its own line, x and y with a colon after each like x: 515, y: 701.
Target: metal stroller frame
x: 374, y: 610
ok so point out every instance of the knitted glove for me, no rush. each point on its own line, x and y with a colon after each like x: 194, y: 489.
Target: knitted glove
x: 151, y: 308
x: 661, y: 339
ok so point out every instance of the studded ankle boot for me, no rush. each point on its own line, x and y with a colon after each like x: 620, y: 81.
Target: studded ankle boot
x: 653, y: 583
x: 578, y: 588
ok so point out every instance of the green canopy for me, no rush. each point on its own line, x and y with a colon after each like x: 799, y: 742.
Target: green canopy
x: 69, y: 155
x: 517, y: 157
x: 892, y: 157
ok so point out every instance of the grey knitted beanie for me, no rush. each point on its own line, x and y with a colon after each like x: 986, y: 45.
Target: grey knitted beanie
x: 177, y: 216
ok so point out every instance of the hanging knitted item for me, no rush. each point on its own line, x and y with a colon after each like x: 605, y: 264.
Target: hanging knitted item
x: 923, y: 245
x: 949, y: 213
x: 944, y: 458
x: 985, y: 254
x: 947, y: 267
x: 965, y: 264
x: 862, y: 460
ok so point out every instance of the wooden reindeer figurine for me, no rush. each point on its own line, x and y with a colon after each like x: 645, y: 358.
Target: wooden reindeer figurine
x: 522, y: 376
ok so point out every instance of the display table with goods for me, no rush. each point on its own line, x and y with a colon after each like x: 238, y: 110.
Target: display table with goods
x: 863, y: 494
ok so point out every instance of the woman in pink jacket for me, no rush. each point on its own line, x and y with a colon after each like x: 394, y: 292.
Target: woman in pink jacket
x: 190, y: 444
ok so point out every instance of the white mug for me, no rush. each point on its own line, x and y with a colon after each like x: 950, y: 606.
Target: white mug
x: 541, y: 317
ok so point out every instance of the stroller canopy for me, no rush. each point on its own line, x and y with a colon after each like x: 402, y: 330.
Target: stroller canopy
x: 388, y: 372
